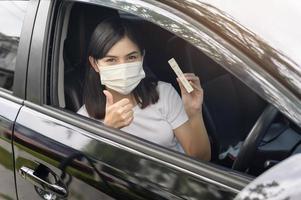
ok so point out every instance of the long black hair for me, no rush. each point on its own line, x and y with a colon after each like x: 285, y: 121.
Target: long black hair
x: 105, y: 36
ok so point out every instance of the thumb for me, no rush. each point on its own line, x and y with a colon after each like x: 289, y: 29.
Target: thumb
x: 109, y: 98
x: 182, y: 88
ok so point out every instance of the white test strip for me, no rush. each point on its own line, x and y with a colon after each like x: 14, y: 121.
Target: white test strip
x: 174, y: 65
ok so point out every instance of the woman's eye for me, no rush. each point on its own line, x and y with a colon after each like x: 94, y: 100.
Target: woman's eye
x: 132, y: 57
x: 110, y: 60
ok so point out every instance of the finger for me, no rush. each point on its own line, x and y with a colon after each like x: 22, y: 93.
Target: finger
x: 128, y: 121
x: 182, y: 88
x: 109, y: 98
x: 189, y: 74
x: 126, y: 108
x: 195, y: 80
x: 192, y: 77
x: 196, y: 86
x: 128, y: 114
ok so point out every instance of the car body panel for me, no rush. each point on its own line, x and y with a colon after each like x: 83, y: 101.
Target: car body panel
x: 37, y: 63
x: 8, y: 111
x: 50, y: 149
x: 20, y: 78
x: 119, y: 171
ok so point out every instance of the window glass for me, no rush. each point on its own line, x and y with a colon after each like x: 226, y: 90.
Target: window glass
x: 158, y: 51
x: 11, y: 18
x: 230, y: 108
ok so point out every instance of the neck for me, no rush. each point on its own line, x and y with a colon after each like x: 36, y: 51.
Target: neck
x: 117, y: 96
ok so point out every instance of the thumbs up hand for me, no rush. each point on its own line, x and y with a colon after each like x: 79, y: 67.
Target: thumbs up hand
x: 119, y: 114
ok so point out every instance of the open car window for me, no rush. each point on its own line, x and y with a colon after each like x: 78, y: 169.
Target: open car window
x: 230, y: 110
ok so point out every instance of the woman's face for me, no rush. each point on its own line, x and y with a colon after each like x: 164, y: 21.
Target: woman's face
x: 124, y: 51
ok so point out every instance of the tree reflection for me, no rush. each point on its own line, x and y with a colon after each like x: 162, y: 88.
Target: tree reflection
x: 150, y: 178
x: 279, y: 65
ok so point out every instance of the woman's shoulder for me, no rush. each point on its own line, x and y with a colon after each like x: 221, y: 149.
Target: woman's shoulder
x: 166, y: 91
x: 164, y: 86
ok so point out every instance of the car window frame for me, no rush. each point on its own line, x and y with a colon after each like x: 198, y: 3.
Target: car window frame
x: 244, y: 63
x: 36, y: 99
x: 37, y: 94
x: 20, y: 76
x: 236, y: 62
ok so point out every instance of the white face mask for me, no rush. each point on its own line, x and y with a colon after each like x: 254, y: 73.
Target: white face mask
x: 123, y: 78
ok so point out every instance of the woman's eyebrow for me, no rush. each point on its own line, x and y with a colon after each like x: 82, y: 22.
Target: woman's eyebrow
x: 111, y: 56
x: 133, y: 52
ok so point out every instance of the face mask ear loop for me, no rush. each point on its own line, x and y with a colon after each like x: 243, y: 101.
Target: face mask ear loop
x: 99, y: 72
x: 143, y: 54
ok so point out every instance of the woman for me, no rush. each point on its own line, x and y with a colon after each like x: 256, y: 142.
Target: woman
x: 118, y: 93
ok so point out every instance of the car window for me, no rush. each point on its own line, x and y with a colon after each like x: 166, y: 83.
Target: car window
x: 155, y: 65
x: 230, y: 109
x: 158, y: 50
x: 11, y: 18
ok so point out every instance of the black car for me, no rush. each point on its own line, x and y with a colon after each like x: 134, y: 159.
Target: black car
x: 252, y: 108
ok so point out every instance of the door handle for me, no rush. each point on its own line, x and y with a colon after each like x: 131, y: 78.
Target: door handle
x: 29, y: 174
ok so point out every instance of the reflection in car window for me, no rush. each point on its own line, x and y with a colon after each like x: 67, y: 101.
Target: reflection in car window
x: 11, y: 18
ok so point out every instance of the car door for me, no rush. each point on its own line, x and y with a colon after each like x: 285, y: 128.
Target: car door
x: 13, y: 18
x: 61, y: 155
x: 9, y: 110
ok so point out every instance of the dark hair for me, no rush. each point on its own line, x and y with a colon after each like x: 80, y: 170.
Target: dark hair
x: 105, y: 36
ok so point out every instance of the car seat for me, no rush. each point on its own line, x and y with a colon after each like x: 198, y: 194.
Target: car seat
x: 83, y: 20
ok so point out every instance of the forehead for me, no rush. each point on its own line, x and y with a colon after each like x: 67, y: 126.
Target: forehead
x: 123, y: 47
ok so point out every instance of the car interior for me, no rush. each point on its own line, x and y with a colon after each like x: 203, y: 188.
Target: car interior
x: 230, y: 107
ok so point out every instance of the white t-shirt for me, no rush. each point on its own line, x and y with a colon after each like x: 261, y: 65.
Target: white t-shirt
x: 156, y: 122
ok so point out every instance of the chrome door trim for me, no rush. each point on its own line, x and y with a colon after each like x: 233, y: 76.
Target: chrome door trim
x: 29, y: 175
x: 9, y: 96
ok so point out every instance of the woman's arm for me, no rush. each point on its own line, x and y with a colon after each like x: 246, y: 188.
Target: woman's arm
x: 193, y: 135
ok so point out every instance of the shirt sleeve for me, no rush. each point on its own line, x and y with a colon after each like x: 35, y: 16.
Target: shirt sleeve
x: 83, y: 111
x: 173, y: 106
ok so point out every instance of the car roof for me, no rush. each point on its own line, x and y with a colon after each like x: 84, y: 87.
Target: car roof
x: 276, y: 22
